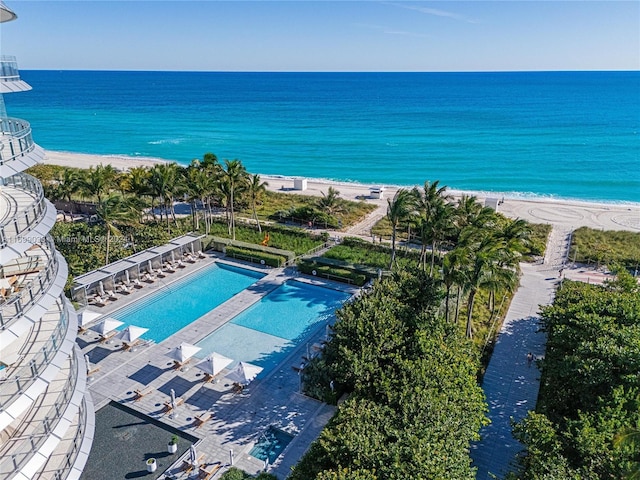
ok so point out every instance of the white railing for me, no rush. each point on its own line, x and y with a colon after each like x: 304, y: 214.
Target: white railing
x: 26, y: 218
x: 33, y: 290
x: 24, y: 451
x: 15, y: 139
x: 19, y: 379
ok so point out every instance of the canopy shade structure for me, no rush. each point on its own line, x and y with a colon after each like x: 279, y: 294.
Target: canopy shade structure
x: 214, y: 363
x: 109, y: 324
x: 122, y: 271
x: 244, y: 373
x: 131, y: 333
x: 183, y: 352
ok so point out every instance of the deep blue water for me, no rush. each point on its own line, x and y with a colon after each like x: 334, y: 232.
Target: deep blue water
x: 560, y: 134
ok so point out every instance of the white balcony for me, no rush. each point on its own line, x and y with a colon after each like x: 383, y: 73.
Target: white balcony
x: 17, y: 149
x: 27, y: 216
x: 42, y: 352
x: 31, y: 282
x: 33, y: 437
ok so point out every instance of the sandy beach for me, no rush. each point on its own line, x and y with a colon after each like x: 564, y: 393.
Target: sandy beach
x: 562, y: 213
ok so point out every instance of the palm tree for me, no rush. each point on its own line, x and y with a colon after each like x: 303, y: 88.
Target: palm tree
x: 233, y: 175
x: 331, y: 202
x: 629, y: 437
x: 453, y: 274
x: 436, y: 219
x: 68, y: 183
x: 165, y: 183
x: 98, y: 181
x: 115, y: 211
x: 398, y: 210
x: 480, y: 262
x: 255, y: 189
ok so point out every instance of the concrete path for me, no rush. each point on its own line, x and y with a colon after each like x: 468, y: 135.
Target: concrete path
x: 511, y: 382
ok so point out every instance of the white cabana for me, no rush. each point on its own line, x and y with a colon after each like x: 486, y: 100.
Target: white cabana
x: 214, y: 363
x: 244, y: 373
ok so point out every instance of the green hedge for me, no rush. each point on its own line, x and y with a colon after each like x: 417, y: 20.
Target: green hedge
x: 221, y: 244
x: 248, y: 254
x: 333, y: 273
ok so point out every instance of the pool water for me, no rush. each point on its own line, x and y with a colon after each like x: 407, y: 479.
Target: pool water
x: 176, y: 305
x: 267, y: 331
x: 270, y: 444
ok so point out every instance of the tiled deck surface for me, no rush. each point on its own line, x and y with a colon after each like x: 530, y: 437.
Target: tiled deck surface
x: 237, y: 419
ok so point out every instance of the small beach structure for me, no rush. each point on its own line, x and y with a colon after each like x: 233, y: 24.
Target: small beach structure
x: 182, y: 354
x: 130, y: 336
x: 299, y: 183
x: 107, y: 328
x: 376, y: 192
x: 213, y: 364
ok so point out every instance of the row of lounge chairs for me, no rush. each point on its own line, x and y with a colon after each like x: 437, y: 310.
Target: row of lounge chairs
x: 127, y: 287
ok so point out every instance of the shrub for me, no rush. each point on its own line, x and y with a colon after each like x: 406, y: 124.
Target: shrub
x: 332, y: 273
x: 245, y: 253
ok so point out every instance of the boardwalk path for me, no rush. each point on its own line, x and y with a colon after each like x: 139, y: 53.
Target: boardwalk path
x: 510, y: 383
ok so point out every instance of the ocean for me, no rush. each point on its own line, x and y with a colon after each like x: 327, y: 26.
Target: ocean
x: 566, y: 135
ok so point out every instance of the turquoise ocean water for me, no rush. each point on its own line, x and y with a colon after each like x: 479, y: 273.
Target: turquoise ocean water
x: 553, y: 134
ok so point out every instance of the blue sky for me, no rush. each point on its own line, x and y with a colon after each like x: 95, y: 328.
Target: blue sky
x: 208, y: 35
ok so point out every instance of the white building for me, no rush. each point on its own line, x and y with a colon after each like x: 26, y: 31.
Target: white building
x: 46, y: 418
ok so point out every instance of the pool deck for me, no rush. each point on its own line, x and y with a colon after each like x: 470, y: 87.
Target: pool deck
x: 237, y: 419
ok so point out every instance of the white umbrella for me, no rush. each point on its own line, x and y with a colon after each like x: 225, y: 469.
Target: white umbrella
x: 88, y: 363
x: 126, y: 276
x: 244, y: 372
x: 87, y: 316
x: 193, y: 455
x: 214, y: 363
x: 131, y: 333
x: 183, y: 352
x: 173, y: 400
x: 107, y: 325
x: 101, y: 288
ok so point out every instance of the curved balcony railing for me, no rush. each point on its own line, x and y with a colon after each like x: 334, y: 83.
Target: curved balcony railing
x: 15, y: 139
x: 9, y: 69
x: 33, y: 290
x: 25, y: 218
x: 70, y: 457
x: 31, y: 443
x: 22, y: 377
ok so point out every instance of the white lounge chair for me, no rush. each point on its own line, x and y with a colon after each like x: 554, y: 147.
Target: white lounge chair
x: 148, y: 278
x: 160, y: 273
x: 110, y: 295
x: 200, y: 254
x: 180, y: 264
x: 137, y: 284
x: 98, y: 301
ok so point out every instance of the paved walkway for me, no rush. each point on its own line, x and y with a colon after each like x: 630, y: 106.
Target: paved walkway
x: 511, y: 383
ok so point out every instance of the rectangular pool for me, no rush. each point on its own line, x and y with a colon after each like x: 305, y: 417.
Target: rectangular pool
x: 267, y: 331
x: 176, y: 305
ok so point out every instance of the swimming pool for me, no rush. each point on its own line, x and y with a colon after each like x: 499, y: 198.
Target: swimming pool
x: 267, y: 331
x: 176, y: 305
x: 270, y: 444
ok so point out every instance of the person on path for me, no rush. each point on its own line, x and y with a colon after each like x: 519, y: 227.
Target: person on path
x: 529, y: 359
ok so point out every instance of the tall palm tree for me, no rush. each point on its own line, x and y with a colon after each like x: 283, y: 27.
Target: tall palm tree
x: 399, y: 210
x: 98, y: 181
x: 115, y: 211
x: 256, y: 188
x: 481, y: 260
x: 233, y: 176
x: 165, y: 183
x: 435, y: 220
x: 453, y: 274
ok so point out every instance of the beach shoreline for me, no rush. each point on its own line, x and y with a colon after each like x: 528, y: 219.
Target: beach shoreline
x: 561, y: 212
